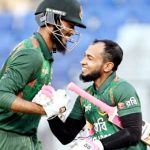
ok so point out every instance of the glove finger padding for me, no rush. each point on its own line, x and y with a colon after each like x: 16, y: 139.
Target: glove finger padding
x: 51, y: 100
x: 41, y: 99
x: 48, y: 90
x: 59, y: 103
x: 60, y: 98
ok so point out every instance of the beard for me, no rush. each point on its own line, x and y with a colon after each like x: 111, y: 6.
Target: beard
x: 57, y: 45
x: 90, y: 77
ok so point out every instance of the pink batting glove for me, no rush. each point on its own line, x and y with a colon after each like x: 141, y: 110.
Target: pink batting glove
x: 48, y: 90
x: 44, y: 96
x: 53, y: 102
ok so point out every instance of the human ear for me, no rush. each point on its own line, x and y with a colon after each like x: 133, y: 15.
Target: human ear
x: 108, y: 66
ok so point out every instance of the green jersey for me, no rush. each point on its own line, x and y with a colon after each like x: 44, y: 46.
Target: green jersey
x: 114, y: 92
x: 26, y: 70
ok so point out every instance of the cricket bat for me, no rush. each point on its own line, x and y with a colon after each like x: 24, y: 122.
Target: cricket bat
x: 111, y: 111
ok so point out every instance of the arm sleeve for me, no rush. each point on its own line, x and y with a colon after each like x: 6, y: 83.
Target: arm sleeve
x: 21, y: 68
x: 129, y: 135
x: 66, y: 132
x: 129, y: 110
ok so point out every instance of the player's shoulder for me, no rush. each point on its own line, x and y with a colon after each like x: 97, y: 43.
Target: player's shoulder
x: 122, y: 85
x: 22, y: 50
x: 23, y: 55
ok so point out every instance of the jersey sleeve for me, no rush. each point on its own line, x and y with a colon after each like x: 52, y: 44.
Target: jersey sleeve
x: 77, y: 111
x: 127, y: 99
x: 17, y: 72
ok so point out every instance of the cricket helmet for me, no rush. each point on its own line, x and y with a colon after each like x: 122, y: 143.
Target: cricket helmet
x: 69, y: 10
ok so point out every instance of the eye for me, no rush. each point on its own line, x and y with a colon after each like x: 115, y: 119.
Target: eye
x: 90, y: 58
x: 72, y: 26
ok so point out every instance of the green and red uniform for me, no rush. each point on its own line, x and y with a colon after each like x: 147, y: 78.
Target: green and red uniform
x: 26, y: 70
x: 115, y: 92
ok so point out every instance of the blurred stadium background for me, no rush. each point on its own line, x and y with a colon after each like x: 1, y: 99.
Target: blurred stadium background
x: 125, y: 21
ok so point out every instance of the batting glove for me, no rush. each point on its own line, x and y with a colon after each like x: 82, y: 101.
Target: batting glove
x: 44, y: 96
x: 51, y: 100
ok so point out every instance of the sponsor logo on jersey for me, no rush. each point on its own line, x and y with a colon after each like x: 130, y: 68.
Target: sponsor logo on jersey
x: 131, y: 102
x: 100, y: 125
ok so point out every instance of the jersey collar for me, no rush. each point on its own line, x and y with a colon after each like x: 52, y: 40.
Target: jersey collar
x: 47, y: 54
x: 106, y: 83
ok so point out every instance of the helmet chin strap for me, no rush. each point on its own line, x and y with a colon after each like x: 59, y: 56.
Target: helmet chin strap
x: 57, y: 33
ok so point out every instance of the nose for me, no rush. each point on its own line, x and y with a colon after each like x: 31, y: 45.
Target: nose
x: 82, y: 62
x: 72, y: 32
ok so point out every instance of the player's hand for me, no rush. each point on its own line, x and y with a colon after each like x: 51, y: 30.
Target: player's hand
x: 88, y: 144
x: 53, y: 102
x: 43, y: 97
x: 59, y: 101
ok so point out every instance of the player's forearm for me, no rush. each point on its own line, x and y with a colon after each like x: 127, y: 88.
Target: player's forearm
x: 118, y: 140
x: 130, y: 135
x: 20, y: 105
x: 66, y: 132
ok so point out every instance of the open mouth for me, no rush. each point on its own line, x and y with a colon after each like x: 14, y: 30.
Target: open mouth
x: 84, y: 69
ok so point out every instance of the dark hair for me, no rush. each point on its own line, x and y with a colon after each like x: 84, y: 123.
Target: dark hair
x: 113, y: 52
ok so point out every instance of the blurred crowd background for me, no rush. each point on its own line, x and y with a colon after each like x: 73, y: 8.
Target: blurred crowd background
x: 124, y: 21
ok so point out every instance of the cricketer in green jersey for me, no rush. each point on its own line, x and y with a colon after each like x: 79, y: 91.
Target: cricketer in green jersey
x: 28, y: 68
x: 99, y: 65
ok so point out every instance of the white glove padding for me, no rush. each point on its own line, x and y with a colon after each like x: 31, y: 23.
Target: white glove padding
x: 88, y: 144
x: 43, y: 97
x: 51, y: 100
x: 58, y: 101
